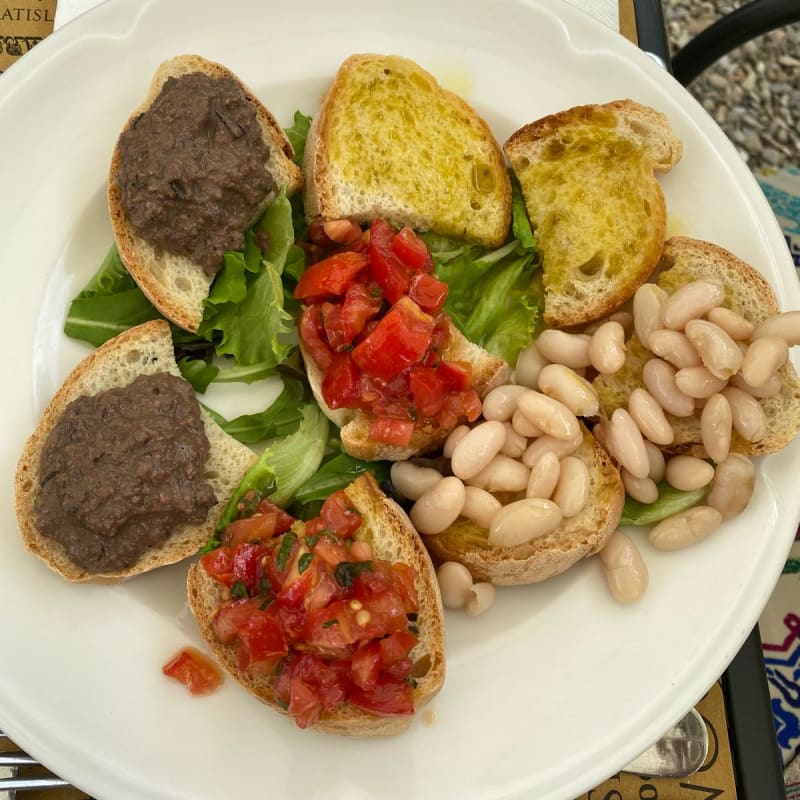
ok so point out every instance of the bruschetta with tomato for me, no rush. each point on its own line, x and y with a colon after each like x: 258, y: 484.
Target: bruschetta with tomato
x: 336, y: 622
x: 385, y: 362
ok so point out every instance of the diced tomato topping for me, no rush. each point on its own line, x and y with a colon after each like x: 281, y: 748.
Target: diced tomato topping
x: 340, y: 386
x: 427, y: 390
x: 428, y: 293
x: 410, y: 249
x: 247, y: 567
x: 361, y: 304
x: 311, y: 332
x: 304, y: 705
x: 395, y: 647
x: 262, y: 643
x: 219, y: 565
x: 330, y: 277
x: 366, y: 664
x: 194, y: 670
x: 339, y: 516
x: 389, y: 698
x: 456, y: 375
x: 232, y: 617
x: 392, y: 274
x: 391, y: 431
x: 262, y: 525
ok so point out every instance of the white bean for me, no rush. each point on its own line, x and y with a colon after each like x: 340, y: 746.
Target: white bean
x: 456, y: 435
x: 413, y: 481
x: 691, y: 301
x: 524, y: 520
x: 649, y: 416
x: 698, y: 382
x: 765, y: 356
x: 455, y: 584
x: 547, y: 414
x: 656, y: 460
x: 481, y: 599
x: 647, y: 305
x: 769, y: 389
x: 607, y: 348
x: 659, y: 379
x: 477, y: 449
x: 502, y: 474
x: 687, y: 472
x: 501, y: 402
x: 626, y: 445
x: 544, y: 476
x: 480, y: 506
x: 685, y: 528
x: 733, y: 485
x: 439, y: 507
x: 749, y: 420
x: 624, y: 568
x: 786, y: 325
x: 735, y: 325
x: 515, y: 444
x: 522, y: 426
x: 529, y: 363
x: 642, y: 489
x: 718, y: 352
x: 569, y: 349
x: 673, y: 346
x: 716, y: 426
x: 544, y: 444
x: 572, y: 490
x: 566, y: 386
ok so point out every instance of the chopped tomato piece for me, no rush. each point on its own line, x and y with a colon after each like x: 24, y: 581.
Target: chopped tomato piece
x: 232, y: 617
x: 391, y: 430
x: 311, y: 332
x: 247, y: 567
x: 427, y: 389
x: 395, y: 647
x: 457, y: 375
x: 194, y: 670
x: 262, y: 642
x: 458, y: 407
x: 389, y: 698
x: 428, y: 293
x: 410, y: 249
x: 219, y: 565
x: 405, y: 585
x: 251, y: 529
x: 331, y: 276
x: 400, y: 339
x: 340, y: 386
x: 342, y: 231
x: 339, y: 516
x: 325, y: 590
x: 392, y: 274
x: 304, y: 705
x: 361, y: 304
x: 329, y: 549
x: 366, y: 664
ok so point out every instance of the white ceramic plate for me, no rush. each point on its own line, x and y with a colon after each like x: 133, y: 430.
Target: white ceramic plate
x: 554, y: 689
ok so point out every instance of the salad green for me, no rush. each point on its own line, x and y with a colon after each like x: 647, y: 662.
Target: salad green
x: 670, y: 501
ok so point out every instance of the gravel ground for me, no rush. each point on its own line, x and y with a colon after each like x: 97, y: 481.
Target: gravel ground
x: 754, y: 91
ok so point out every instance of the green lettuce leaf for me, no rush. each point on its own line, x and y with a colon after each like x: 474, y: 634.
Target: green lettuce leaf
x: 338, y: 473
x: 297, y: 136
x: 199, y: 372
x: 520, y: 224
x: 670, y: 501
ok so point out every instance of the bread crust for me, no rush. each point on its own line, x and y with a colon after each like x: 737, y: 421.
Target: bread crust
x: 577, y: 537
x: 387, y: 528
x: 143, y: 350
x: 172, y: 283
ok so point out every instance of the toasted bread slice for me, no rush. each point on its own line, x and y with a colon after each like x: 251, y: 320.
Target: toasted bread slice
x: 747, y: 293
x: 143, y: 350
x: 577, y: 537
x: 598, y: 212
x: 488, y: 371
x: 390, y: 142
x: 174, y: 284
x: 387, y: 528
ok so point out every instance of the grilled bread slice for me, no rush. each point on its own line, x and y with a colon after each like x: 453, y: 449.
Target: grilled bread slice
x: 143, y: 350
x: 748, y: 294
x: 488, y: 371
x: 598, y: 212
x: 387, y: 528
x: 174, y: 284
x: 390, y: 142
x: 577, y: 537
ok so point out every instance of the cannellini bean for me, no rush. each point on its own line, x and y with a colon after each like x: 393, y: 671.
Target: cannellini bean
x: 524, y: 520
x: 549, y: 415
x: 569, y: 349
x: 626, y: 445
x: 572, y: 490
x: 687, y: 472
x: 413, y: 481
x: 659, y: 379
x: 649, y: 416
x: 786, y: 325
x: 523, y: 426
x: 685, y: 528
x: 480, y: 599
x: 607, y: 348
x: 439, y: 507
x: 624, y: 568
x: 529, y: 363
x: 718, y: 352
x: 673, y: 346
x: 749, y: 420
x: 691, y: 301
x: 642, y: 489
x: 544, y: 444
x: 502, y: 474
x: 456, y: 435
x: 716, y: 427
x: 455, y: 584
x: 735, y: 325
x: 501, y: 402
x: 544, y: 476
x: 698, y: 382
x: 480, y: 506
x: 733, y: 485
x: 647, y: 306
x: 765, y: 356
x: 477, y: 449
x: 658, y: 466
x: 769, y: 389
x: 569, y: 388
x: 515, y: 444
